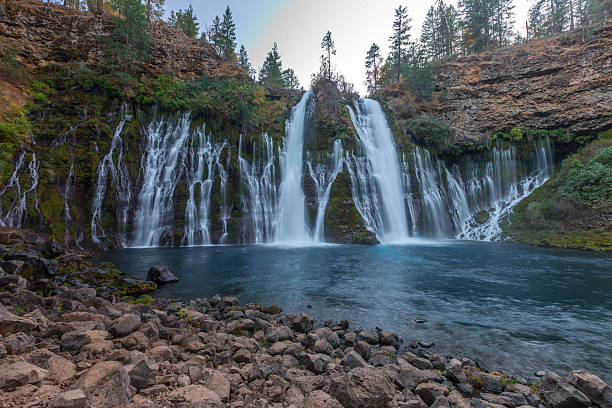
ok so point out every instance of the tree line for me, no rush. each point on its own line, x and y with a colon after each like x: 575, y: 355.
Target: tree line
x: 473, y: 26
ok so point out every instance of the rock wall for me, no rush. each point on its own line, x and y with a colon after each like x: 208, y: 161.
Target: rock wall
x: 47, y: 34
x: 561, y: 82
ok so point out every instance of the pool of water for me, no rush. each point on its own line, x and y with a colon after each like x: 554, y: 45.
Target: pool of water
x: 511, y: 307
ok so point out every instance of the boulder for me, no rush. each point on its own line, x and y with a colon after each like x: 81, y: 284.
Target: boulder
x: 10, y: 323
x: 320, y: 399
x: 389, y: 338
x: 125, y: 325
x: 52, y: 249
x: 161, y: 275
x: 592, y: 386
x: 272, y: 309
x: 19, y: 373
x: 19, y: 343
x: 107, y: 384
x: 242, y: 356
x: 13, y: 281
x: 317, y: 363
x: 454, y: 371
x: 142, y: 374
x: 362, y: 388
x: 353, y: 360
x: 217, y: 382
x: 557, y: 392
x: 303, y: 323
x: 430, y: 391
x: 192, y: 396
x: 60, y: 369
x: 69, y: 399
x: 72, y: 341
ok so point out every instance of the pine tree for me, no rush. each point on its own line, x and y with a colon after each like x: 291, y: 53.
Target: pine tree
x: 430, y: 36
x: 243, y: 61
x: 155, y: 9
x: 330, y: 49
x: 372, y: 63
x: 290, y: 80
x: 400, y: 39
x: 272, y: 68
x: 130, y: 41
x: 486, y: 23
x: 186, y: 21
x: 214, y: 35
x: 227, y: 37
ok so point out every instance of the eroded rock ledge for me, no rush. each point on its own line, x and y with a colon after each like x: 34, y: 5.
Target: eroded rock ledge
x: 561, y: 82
x: 69, y: 345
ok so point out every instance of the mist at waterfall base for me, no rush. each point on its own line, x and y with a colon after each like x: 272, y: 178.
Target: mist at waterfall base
x: 508, y: 306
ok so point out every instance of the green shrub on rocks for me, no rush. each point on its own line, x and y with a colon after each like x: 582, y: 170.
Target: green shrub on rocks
x: 431, y: 132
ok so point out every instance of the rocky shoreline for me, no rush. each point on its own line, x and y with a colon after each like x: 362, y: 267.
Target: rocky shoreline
x: 76, y: 334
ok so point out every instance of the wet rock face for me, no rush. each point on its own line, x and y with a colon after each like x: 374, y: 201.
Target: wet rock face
x: 562, y: 82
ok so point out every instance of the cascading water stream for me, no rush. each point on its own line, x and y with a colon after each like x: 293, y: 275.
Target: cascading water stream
x: 204, y: 159
x: 162, y: 166
x: 323, y: 179
x: 259, y: 178
x: 291, y: 227
x: 387, y: 202
x: 120, y: 181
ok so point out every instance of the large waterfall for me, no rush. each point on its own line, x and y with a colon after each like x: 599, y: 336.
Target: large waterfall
x: 382, y: 202
x: 291, y: 227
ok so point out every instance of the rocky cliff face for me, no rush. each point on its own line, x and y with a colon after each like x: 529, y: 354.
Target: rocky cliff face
x: 49, y: 34
x: 561, y: 82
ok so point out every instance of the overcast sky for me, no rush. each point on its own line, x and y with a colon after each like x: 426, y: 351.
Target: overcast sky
x: 299, y: 25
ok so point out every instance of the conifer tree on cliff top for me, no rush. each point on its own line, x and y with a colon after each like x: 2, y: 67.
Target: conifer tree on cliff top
x: 130, y: 42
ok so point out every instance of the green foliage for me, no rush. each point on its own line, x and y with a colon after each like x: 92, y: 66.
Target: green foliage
x: 130, y: 42
x: 14, y: 127
x: 10, y: 66
x: 440, y: 31
x: 186, y: 21
x: 400, y: 39
x: 591, y: 182
x: 372, y: 64
x: 272, y: 68
x: 486, y: 23
x: 431, y: 132
x: 243, y: 61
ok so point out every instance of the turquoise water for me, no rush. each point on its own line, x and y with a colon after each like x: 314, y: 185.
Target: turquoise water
x: 511, y: 307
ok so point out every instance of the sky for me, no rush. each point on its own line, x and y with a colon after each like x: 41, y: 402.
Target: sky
x: 299, y: 25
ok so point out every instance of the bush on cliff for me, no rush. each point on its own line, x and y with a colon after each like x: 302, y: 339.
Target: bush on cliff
x: 431, y: 132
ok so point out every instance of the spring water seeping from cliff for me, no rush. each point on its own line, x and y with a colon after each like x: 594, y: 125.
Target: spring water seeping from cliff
x: 378, y: 178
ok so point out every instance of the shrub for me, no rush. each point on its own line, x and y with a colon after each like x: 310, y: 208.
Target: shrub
x: 590, y: 182
x: 10, y: 66
x: 432, y: 132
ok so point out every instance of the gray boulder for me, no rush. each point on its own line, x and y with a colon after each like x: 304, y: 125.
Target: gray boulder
x: 592, y: 386
x: 161, y: 274
x: 10, y: 323
x: 106, y: 384
x: 363, y: 388
x: 303, y: 323
x: 557, y: 392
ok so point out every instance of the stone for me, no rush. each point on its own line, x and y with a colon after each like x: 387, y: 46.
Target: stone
x: 430, y: 391
x: 369, y: 336
x: 479, y: 403
x: 60, y: 369
x: 322, y: 346
x: 421, y: 363
x: 161, y: 275
x: 10, y: 323
x: 142, y: 374
x: 73, y: 341
x: 272, y: 309
x: 440, y: 402
x: 454, y: 371
x: 353, y: 360
x: 408, y: 376
x: 13, y: 281
x: 592, y: 386
x: 69, y: 399
x: 242, y: 356
x: 456, y: 400
x: 320, y: 399
x: 194, y: 396
x: 557, y: 392
x: 218, y: 383
x: 362, y: 388
x: 20, y: 373
x: 317, y: 363
x: 18, y: 343
x: 363, y: 348
x: 125, y: 325
x: 106, y: 384
x: 388, y: 338
x: 497, y: 399
x: 52, y: 249
x: 303, y: 323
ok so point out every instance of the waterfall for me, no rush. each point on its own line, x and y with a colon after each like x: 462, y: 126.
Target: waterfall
x: 364, y: 191
x: 67, y: 193
x: 162, y: 168
x: 120, y: 181
x: 386, y: 196
x: 259, y: 178
x: 504, y: 183
x: 433, y: 208
x: 291, y: 227
x: 16, y: 214
x: 203, y: 159
x: 323, y: 177
x: 226, y: 209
